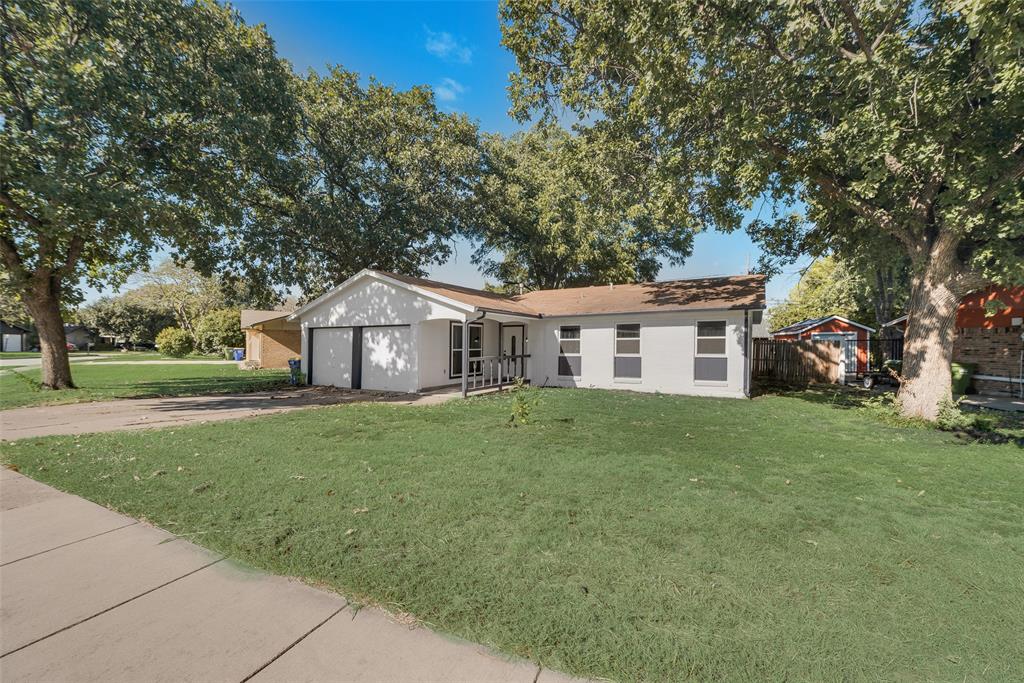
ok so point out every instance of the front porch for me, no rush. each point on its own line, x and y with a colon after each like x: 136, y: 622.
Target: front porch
x: 475, y: 354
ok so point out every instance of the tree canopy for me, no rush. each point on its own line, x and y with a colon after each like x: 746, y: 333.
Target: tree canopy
x: 559, y: 210
x: 125, y: 126
x: 899, y: 122
x: 379, y: 178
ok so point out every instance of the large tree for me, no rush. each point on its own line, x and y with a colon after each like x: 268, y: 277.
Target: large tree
x: 907, y: 116
x: 558, y: 210
x: 125, y: 317
x: 869, y: 290
x: 181, y: 289
x: 124, y: 126
x: 380, y: 179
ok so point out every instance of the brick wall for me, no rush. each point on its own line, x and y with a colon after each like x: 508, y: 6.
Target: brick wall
x: 278, y: 346
x: 995, y: 352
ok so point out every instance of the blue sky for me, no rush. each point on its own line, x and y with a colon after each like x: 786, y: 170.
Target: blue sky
x: 455, y: 48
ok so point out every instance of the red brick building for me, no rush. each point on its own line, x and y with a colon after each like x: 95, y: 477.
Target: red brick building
x: 989, y: 325
x: 270, y: 338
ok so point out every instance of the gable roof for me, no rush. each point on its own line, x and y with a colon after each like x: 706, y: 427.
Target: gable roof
x: 478, y: 298
x: 706, y: 293
x: 811, y: 323
x: 8, y: 328
x: 709, y: 293
x: 251, y: 316
x: 896, y: 321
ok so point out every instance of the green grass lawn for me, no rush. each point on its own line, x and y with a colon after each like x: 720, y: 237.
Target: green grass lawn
x: 633, y: 537
x: 101, y: 382
x: 19, y: 354
x: 151, y: 355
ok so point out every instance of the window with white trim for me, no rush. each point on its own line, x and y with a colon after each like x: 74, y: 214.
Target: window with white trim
x: 456, y: 347
x: 626, y: 364
x: 711, y: 362
x: 570, y: 358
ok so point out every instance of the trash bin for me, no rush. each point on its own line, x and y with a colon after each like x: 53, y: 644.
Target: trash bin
x: 294, y: 370
x: 239, y: 354
x: 962, y: 375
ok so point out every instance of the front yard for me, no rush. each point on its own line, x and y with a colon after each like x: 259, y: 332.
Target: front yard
x: 633, y: 537
x: 18, y: 387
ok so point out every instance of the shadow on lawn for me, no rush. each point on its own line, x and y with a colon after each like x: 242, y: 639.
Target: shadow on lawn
x: 989, y: 427
x: 201, y: 385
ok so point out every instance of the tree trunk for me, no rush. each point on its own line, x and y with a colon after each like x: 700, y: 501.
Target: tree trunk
x: 928, y: 345
x: 45, y: 311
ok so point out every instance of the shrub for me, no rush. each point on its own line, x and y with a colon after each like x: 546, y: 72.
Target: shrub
x: 952, y: 419
x: 174, y: 341
x: 218, y: 330
x: 523, y: 400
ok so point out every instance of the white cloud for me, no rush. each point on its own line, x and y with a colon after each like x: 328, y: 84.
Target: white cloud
x: 448, y: 90
x: 445, y: 46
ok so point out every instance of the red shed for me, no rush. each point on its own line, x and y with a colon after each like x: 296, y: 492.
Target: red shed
x: 833, y: 328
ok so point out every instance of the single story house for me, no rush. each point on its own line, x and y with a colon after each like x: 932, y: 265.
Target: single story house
x: 384, y: 331
x: 271, y: 339
x: 13, y: 338
x: 853, y: 335
x: 84, y: 338
x: 988, y: 335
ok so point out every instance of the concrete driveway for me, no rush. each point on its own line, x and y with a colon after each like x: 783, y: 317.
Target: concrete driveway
x: 87, y: 594
x: 148, y: 413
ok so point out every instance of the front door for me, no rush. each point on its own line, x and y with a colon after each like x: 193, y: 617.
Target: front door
x: 512, y: 344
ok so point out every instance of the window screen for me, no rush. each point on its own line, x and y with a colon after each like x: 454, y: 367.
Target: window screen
x: 710, y: 363
x: 627, y: 363
x: 711, y: 338
x: 569, y: 356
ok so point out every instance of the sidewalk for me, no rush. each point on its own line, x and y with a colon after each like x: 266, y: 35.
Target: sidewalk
x: 91, y: 595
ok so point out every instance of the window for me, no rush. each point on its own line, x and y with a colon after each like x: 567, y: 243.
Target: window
x: 476, y: 344
x: 710, y: 363
x: 627, y: 351
x: 569, y: 358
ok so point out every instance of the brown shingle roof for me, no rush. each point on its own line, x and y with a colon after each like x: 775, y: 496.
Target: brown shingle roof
x: 252, y: 316
x: 740, y: 291
x: 490, y: 301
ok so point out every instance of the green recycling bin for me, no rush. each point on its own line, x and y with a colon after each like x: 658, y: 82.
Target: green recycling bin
x: 962, y: 374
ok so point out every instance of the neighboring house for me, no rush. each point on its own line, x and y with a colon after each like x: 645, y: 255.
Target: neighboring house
x: 384, y: 331
x: 13, y: 338
x: 854, y: 336
x: 81, y: 336
x: 988, y: 336
x: 270, y: 338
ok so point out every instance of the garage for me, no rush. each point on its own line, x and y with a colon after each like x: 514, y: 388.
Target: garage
x: 387, y: 358
x: 331, y: 357
x: 378, y: 357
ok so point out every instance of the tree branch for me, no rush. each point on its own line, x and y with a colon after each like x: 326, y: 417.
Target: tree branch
x: 858, y: 30
x: 1011, y: 174
x: 7, y: 200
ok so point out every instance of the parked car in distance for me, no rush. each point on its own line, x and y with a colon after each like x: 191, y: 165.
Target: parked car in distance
x: 71, y: 347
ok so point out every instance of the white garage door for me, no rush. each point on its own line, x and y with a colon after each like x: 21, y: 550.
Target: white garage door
x: 332, y: 357
x: 388, y: 359
x: 12, y: 342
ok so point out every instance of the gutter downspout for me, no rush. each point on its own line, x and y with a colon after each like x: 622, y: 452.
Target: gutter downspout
x: 465, y: 351
x: 746, y: 352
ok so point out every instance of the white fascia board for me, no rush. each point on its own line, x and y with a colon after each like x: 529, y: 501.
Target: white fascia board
x: 366, y: 272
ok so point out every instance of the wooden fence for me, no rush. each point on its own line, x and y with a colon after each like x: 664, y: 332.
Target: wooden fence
x: 795, y: 362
